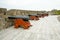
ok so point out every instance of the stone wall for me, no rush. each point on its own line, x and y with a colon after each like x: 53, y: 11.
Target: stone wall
x: 2, y: 17
x: 2, y: 23
x: 14, y: 12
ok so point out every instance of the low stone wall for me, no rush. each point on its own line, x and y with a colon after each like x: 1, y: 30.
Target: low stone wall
x: 2, y: 23
x: 5, y: 23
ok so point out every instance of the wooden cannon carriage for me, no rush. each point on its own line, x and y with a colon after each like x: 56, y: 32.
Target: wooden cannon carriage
x: 22, y: 21
x: 34, y: 17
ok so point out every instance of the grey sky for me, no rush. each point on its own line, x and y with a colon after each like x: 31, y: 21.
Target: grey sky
x: 30, y: 4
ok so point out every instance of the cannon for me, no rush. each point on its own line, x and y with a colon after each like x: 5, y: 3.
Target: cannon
x: 42, y: 15
x: 46, y: 14
x: 22, y: 21
x: 34, y: 17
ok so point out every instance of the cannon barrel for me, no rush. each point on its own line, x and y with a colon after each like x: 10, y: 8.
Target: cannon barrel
x: 25, y: 18
x: 33, y: 15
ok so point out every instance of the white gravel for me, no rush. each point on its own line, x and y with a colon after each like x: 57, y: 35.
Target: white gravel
x: 47, y: 28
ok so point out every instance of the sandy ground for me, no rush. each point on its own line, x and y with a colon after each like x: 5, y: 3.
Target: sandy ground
x: 47, y: 28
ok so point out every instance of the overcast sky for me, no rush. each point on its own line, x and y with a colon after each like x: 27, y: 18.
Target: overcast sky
x: 30, y: 4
